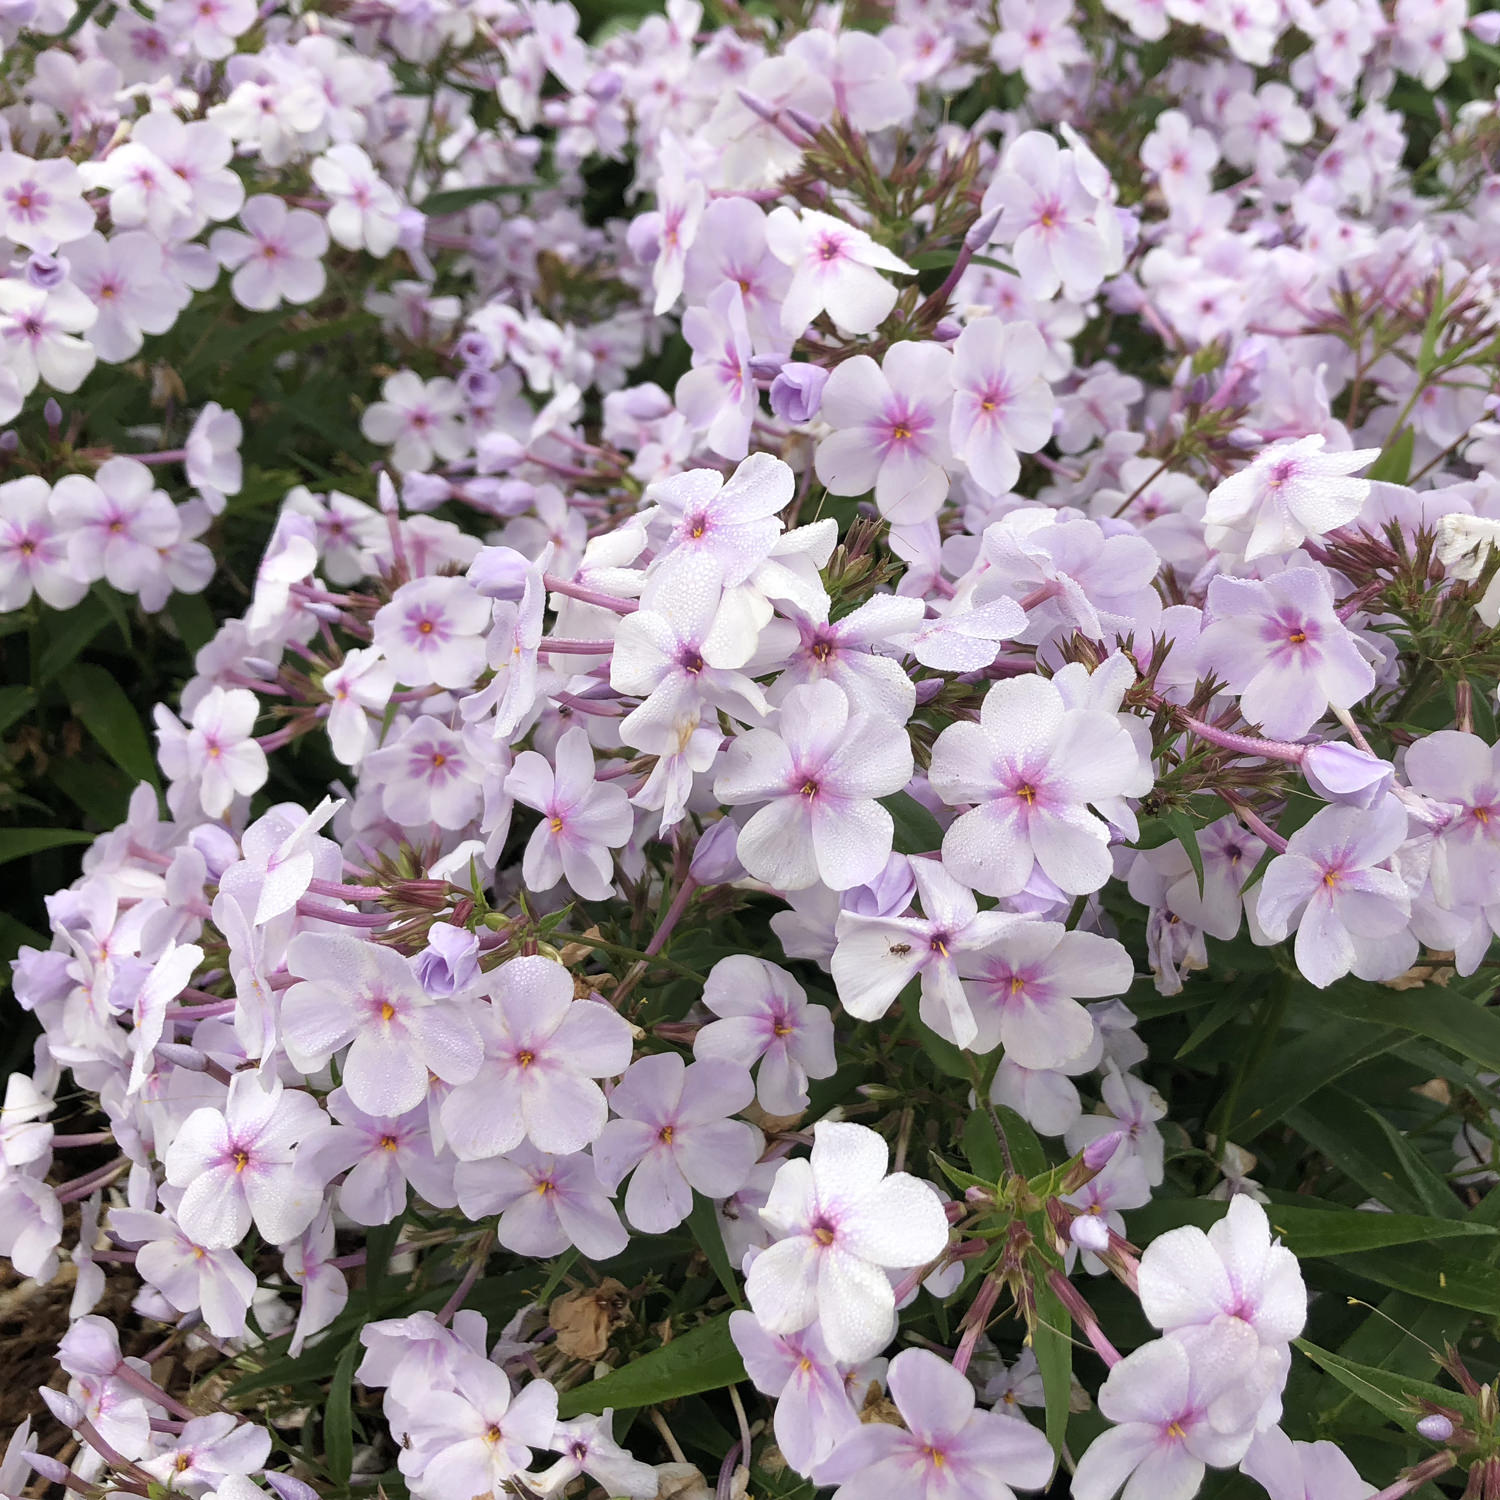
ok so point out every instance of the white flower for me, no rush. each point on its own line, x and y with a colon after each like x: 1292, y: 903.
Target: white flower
x: 835, y: 269
x: 842, y: 1223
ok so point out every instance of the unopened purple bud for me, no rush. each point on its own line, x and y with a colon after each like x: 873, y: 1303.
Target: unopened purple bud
x: 498, y: 451
x: 180, y: 1055
x: 643, y: 238
x: 385, y: 495
x: 475, y: 349
x: 757, y: 106
x: 10, y: 441
x: 260, y: 667
x: 1090, y: 1233
x: 797, y: 392
x: 715, y: 858
x: 1343, y: 773
x: 802, y: 120
x: 499, y: 572
x: 450, y: 962
x: 605, y: 86
x: 1097, y: 1153
x: 888, y: 894
x: 928, y: 689
x: 1199, y: 390
x: 52, y: 415
x: 46, y: 271
x: 982, y: 230
x: 62, y: 1406
x: 767, y: 366
x: 1435, y: 1428
x: 288, y: 1488
x: 53, y: 1470
x: 479, y: 385
x: 947, y: 330
x: 423, y: 492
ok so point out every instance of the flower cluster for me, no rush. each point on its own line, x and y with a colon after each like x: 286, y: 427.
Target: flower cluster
x: 845, y: 607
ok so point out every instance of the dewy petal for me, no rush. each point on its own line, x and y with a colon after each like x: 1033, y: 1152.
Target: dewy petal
x: 856, y: 1306
x: 900, y: 1224
x: 847, y: 462
x: 782, y: 1285
x: 1182, y: 1281
x: 934, y: 1399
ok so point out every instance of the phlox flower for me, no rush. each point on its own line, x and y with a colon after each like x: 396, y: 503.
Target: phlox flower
x: 221, y: 756
x: 718, y: 395
x: 1350, y: 913
x: 1036, y: 40
x: 1290, y: 492
x: 546, y: 1202
x: 731, y: 250
x: 123, y: 277
x: 878, y: 955
x: 1160, y: 1396
x: 1280, y: 645
x: 381, y: 1154
x: 189, y: 1276
x: 472, y: 1438
x: 209, y: 26
x: 1288, y: 1470
x: 835, y: 269
x: 946, y: 1448
x: 1031, y: 767
x: 211, y: 1453
x: 238, y: 1164
x: 587, y: 1447
x: 118, y: 522
x: 280, y: 259
x: 672, y: 1135
x: 41, y: 202
x: 1048, y: 217
x: 818, y: 775
x: 365, y: 213
x: 582, y: 819
x: 846, y: 651
x: 39, y: 333
x: 430, y: 773
x: 841, y: 1224
x: 421, y: 420
x: 813, y: 1411
x: 365, y: 994
x: 890, y: 430
x: 542, y: 1052
x: 1464, y: 772
x: 1002, y: 405
x: 34, y: 548
x: 1130, y: 1107
x: 764, y: 1017
x: 432, y: 631
x: 212, y: 454
x: 1024, y: 989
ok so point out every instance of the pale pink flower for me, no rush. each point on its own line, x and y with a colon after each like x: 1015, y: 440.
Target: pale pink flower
x: 835, y: 269
x: 280, y: 259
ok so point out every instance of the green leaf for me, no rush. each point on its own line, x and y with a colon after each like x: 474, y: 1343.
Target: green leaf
x: 946, y: 1058
x: 1448, y: 1016
x: 1394, y: 463
x: 703, y: 1359
x: 100, y: 702
x: 15, y: 703
x: 1187, y: 833
x: 982, y: 1147
x: 338, y: 1416
x: 1393, y: 1396
x: 1330, y: 1122
x: 14, y: 936
x: 380, y: 1245
x: 454, y: 200
x: 704, y: 1224
x: 1311, y: 1062
x: 1436, y: 1274
x: 95, y: 786
x: 194, y: 620
x: 1025, y: 1149
x: 1052, y: 1343
x: 17, y: 843
x: 917, y: 831
x: 66, y: 637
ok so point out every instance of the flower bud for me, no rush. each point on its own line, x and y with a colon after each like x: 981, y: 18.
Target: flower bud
x: 53, y: 1470
x: 449, y: 963
x: 499, y: 572
x: 946, y: 331
x: 62, y: 1406
x: 1343, y: 773
x: 1435, y: 1428
x: 1089, y: 1232
x: 1097, y: 1154
x: 767, y: 366
x: 498, y: 451
x: 479, y: 385
x: 604, y: 86
x: 982, y: 230
x: 802, y: 120
x: 10, y: 440
x: 475, y: 349
x: 797, y: 392
x: 715, y: 860
x: 423, y: 492
x: 52, y: 415
x: 643, y: 238
x: 46, y: 271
